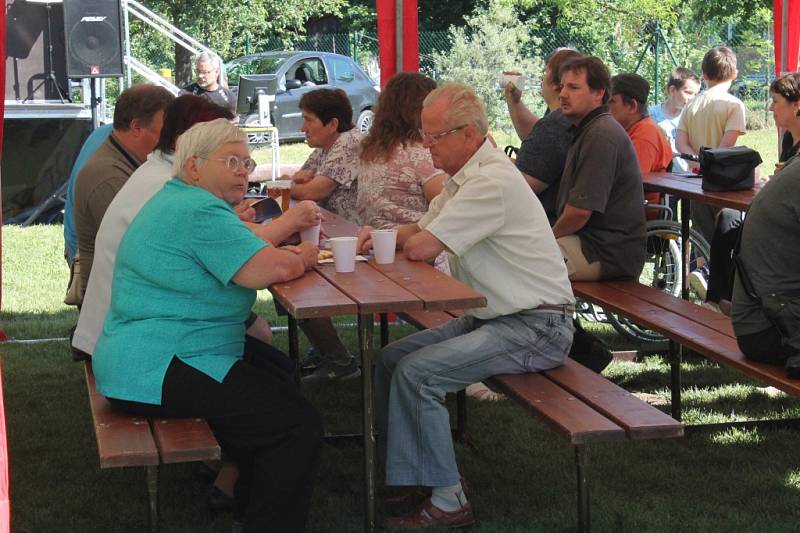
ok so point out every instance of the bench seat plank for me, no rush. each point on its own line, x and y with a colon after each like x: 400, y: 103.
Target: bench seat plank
x: 704, y: 339
x: 182, y: 440
x: 563, y: 412
x: 697, y: 313
x: 122, y: 440
x: 639, y: 419
x: 426, y: 319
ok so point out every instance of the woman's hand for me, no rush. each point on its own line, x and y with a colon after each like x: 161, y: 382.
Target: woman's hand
x: 364, y: 243
x: 301, y: 176
x: 305, y: 214
x: 307, y: 252
x: 245, y: 211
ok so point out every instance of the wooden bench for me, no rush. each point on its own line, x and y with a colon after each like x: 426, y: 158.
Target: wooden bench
x: 582, y: 406
x: 125, y: 440
x: 684, y: 324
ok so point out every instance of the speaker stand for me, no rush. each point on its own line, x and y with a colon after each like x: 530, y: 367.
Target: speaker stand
x: 51, y: 74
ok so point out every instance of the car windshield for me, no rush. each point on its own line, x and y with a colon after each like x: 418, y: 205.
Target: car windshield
x: 253, y: 65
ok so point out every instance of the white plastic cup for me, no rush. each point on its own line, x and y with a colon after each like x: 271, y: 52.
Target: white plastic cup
x: 311, y: 235
x: 384, y: 242
x: 344, y: 253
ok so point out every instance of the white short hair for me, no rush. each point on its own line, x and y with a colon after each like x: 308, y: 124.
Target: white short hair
x: 464, y: 106
x: 208, y: 57
x: 202, y: 139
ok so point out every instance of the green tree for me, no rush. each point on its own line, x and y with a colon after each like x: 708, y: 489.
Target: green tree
x: 230, y: 26
x: 492, y: 40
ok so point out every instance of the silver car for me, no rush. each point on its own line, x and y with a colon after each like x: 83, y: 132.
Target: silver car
x: 284, y: 77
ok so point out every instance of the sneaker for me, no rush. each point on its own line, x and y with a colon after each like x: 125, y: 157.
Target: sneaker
x: 330, y: 370
x: 312, y: 359
x: 698, y: 280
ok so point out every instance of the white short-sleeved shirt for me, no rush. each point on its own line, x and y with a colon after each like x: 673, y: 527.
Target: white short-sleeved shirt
x: 709, y: 115
x: 143, y: 184
x: 498, y: 238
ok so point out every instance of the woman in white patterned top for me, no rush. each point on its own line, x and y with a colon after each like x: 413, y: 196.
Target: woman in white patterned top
x: 329, y: 175
x: 397, y: 178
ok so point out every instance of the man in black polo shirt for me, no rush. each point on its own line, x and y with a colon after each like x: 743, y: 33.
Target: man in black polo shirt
x: 207, y: 84
x: 600, y: 205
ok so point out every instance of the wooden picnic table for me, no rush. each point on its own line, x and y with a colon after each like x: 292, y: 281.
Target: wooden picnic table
x: 688, y: 188
x: 371, y: 289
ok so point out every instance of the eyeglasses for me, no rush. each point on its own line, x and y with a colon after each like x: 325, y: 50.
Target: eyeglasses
x: 433, y: 138
x: 233, y: 162
x: 205, y: 72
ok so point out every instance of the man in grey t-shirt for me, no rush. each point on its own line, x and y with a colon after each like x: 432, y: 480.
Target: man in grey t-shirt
x: 770, y: 253
x: 545, y: 140
x: 601, y: 222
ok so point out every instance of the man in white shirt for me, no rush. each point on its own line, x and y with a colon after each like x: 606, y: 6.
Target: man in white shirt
x: 499, y: 242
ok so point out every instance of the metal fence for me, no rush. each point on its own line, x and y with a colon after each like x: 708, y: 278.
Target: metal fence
x: 651, y: 52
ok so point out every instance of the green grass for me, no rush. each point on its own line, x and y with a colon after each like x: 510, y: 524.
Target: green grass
x: 521, y: 474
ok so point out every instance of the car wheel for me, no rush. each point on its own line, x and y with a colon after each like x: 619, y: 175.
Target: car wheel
x: 255, y: 138
x: 364, y: 122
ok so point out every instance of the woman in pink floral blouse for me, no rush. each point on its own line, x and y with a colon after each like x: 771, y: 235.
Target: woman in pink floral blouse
x: 397, y: 178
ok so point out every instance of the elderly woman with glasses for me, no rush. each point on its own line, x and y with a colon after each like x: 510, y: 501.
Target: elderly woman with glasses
x: 173, y: 342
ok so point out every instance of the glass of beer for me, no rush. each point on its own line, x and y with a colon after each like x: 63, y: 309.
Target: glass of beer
x: 282, y: 188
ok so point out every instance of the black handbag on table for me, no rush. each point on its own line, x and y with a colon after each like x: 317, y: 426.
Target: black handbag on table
x: 728, y: 169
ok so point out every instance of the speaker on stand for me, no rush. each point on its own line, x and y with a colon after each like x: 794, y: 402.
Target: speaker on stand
x: 93, y: 35
x: 51, y: 73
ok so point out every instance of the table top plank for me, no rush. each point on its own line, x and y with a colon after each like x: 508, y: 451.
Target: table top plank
x: 691, y: 188
x: 337, y: 226
x: 312, y: 296
x: 372, y: 291
x: 437, y: 290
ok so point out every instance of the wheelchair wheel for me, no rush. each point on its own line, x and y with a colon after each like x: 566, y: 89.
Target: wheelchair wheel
x: 662, y: 270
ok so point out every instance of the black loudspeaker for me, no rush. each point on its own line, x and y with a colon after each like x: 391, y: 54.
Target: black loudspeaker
x: 93, y: 31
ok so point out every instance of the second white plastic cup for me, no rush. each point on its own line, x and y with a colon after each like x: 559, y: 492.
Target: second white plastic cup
x: 384, y: 242
x: 311, y: 235
x: 344, y: 253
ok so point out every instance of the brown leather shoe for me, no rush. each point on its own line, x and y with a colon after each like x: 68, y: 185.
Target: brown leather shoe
x: 406, y: 498
x: 428, y: 515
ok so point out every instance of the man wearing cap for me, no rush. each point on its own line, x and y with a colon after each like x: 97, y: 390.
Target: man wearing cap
x: 628, y: 105
x: 601, y: 224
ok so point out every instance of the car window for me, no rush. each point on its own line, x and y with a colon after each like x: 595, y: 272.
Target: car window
x: 309, y: 71
x: 253, y: 65
x: 343, y: 71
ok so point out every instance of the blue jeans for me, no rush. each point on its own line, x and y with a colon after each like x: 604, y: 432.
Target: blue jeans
x: 413, y: 375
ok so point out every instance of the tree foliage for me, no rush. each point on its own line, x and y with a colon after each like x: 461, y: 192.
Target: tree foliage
x: 233, y: 27
x: 492, y: 40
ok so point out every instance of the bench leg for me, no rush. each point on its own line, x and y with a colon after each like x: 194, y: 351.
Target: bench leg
x: 461, y: 415
x: 675, y: 359
x: 151, y: 473
x: 584, y: 499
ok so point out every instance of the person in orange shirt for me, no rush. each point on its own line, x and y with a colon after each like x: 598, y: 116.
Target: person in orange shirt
x: 628, y: 105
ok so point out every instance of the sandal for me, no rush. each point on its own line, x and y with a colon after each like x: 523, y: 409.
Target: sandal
x: 482, y: 393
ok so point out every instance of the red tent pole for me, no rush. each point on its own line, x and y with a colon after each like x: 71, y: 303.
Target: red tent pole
x: 786, y: 16
x: 389, y: 44
x: 2, y: 112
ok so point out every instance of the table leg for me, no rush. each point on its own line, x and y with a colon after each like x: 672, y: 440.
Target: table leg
x: 384, y: 329
x: 686, y: 214
x: 294, y: 345
x: 365, y: 327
